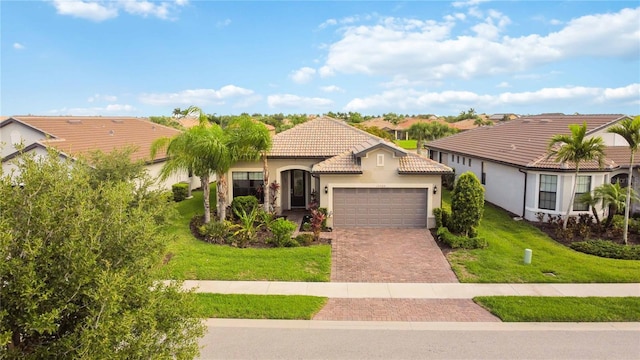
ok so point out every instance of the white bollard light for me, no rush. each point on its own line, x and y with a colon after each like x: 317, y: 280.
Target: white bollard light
x: 527, y: 256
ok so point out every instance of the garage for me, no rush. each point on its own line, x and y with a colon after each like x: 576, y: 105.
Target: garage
x: 379, y: 207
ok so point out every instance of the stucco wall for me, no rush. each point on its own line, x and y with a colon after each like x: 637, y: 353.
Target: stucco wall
x: 154, y: 172
x: 385, y: 176
x: 15, y: 133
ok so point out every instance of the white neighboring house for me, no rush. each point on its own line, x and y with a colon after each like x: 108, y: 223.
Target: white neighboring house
x: 511, y: 161
x: 72, y: 136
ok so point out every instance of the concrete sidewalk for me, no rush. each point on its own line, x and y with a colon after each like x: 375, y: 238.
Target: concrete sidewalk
x: 410, y: 290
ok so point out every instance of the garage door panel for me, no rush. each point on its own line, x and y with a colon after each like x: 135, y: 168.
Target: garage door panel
x: 379, y: 207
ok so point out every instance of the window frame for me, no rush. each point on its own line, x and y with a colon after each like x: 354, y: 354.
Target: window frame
x: 550, y: 197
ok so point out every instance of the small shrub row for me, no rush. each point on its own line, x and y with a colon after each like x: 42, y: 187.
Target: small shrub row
x: 244, y: 203
x: 608, y: 249
x: 460, y: 242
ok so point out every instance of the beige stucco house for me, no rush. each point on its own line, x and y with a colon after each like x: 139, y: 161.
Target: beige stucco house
x: 73, y: 136
x: 362, y: 180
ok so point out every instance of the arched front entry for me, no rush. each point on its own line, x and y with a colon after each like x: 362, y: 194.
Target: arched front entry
x: 297, y: 186
x: 622, y: 179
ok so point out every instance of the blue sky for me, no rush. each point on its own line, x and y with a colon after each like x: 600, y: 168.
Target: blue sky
x: 144, y: 58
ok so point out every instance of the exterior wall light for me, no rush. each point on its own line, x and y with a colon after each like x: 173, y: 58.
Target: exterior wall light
x: 435, y: 189
x: 326, y: 189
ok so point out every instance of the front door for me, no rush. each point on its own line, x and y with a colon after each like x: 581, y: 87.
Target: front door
x: 297, y: 188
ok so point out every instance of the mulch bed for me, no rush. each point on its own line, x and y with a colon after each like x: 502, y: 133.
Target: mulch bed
x: 611, y: 235
x: 259, y: 243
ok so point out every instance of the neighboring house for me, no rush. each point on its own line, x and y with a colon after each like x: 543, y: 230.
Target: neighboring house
x: 511, y: 161
x: 362, y: 180
x: 401, y: 130
x: 502, y: 117
x: 73, y: 136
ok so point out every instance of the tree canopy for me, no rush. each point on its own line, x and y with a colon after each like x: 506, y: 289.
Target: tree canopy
x: 78, y: 257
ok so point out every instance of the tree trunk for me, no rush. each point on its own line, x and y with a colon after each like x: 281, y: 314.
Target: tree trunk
x: 205, y: 196
x: 222, y: 196
x: 419, y: 145
x: 573, y: 196
x: 612, y: 211
x: 189, y: 195
x: 595, y: 215
x: 265, y: 182
x: 627, y: 208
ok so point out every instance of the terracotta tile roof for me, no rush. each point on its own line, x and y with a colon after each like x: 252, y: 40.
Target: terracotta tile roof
x: 417, y: 164
x: 523, y: 142
x: 189, y: 122
x: 344, y: 163
x: 75, y: 135
x: 621, y: 155
x: 322, y: 137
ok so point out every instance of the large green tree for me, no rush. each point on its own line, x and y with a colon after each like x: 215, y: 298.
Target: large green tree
x: 629, y: 129
x: 76, y: 276
x: 575, y: 148
x: 202, y: 150
x: 613, y: 199
x: 420, y: 131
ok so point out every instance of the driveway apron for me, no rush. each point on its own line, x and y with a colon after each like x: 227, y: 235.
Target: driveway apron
x: 388, y: 255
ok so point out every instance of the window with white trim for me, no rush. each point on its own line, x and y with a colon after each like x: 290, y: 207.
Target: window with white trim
x: 248, y: 183
x: 548, y: 190
x: 380, y: 160
x: 583, y: 186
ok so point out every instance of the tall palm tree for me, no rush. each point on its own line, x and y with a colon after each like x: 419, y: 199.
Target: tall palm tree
x: 251, y: 141
x: 201, y: 149
x: 592, y: 199
x: 613, y: 199
x: 574, y: 148
x: 630, y: 130
x: 421, y: 132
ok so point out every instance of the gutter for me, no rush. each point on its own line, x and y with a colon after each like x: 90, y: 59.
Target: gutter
x: 524, y: 197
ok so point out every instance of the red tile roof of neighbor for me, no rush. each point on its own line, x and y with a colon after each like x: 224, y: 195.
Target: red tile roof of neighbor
x: 407, y: 122
x: 339, y: 144
x: 75, y: 135
x: 523, y: 142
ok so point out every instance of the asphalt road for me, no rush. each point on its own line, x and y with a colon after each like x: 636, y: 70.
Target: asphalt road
x: 429, y: 341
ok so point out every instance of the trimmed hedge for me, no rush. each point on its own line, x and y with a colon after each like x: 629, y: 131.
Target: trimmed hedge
x: 442, y: 217
x: 460, y: 242
x: 607, y: 249
x: 246, y: 203
x: 180, y: 191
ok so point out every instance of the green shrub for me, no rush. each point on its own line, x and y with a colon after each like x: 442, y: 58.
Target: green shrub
x: 304, y: 239
x: 467, y: 204
x: 290, y: 242
x: 442, y: 217
x: 607, y: 249
x: 216, y: 232
x: 246, y: 231
x: 246, y: 203
x: 324, y: 211
x: 180, y: 191
x: 460, y: 242
x: 282, y: 229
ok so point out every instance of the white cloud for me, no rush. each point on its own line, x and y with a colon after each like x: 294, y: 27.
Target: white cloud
x: 574, y: 96
x: 468, y: 3
x: 112, y: 109
x: 223, y: 23
x: 18, y: 46
x: 303, y: 75
x: 99, y: 97
x: 90, y: 10
x: 100, y: 10
x: 332, y: 89
x: 196, y: 96
x: 427, y: 50
x: 295, y: 101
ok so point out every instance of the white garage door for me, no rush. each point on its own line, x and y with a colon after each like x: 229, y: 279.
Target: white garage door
x: 379, y: 207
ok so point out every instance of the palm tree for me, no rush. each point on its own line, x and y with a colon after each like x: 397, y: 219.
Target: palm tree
x: 575, y: 149
x: 613, y: 199
x: 630, y: 130
x: 592, y: 200
x: 251, y: 141
x: 201, y: 149
x: 421, y: 132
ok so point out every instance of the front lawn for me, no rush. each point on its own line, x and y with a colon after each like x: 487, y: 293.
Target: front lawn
x: 502, y: 261
x: 191, y: 259
x: 407, y: 144
x: 562, y: 309
x: 241, y: 306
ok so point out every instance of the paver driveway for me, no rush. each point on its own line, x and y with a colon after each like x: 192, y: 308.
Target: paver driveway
x: 388, y: 255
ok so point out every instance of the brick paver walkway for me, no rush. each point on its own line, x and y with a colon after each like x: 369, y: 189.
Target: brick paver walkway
x: 449, y: 310
x: 388, y: 255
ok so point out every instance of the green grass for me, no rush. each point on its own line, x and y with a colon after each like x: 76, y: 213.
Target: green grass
x: 562, y: 309
x: 192, y: 259
x: 240, y: 306
x: 407, y: 144
x: 502, y: 261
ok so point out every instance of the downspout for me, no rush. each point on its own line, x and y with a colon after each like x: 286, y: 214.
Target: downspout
x: 524, y: 197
